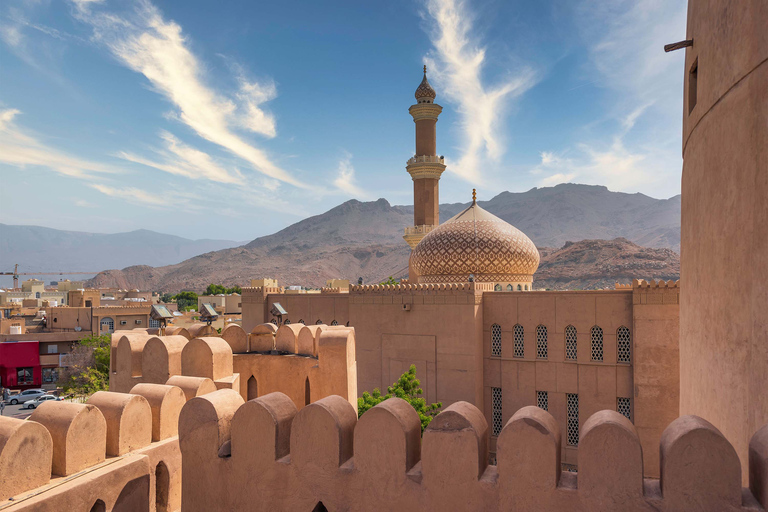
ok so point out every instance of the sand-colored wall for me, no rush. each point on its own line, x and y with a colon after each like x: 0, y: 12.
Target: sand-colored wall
x: 323, y: 454
x: 426, y: 202
x: 724, y: 231
x: 61, y: 454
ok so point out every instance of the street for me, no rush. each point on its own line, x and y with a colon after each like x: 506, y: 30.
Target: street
x: 15, y: 411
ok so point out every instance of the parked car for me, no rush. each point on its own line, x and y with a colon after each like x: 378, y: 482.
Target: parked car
x: 26, y: 395
x: 31, y: 404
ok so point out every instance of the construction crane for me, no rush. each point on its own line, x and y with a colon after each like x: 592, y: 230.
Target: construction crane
x: 16, y: 274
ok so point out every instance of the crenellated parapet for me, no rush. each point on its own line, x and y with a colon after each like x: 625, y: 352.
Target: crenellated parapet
x: 419, y: 293
x: 323, y: 453
x: 655, y: 292
x: 117, y: 449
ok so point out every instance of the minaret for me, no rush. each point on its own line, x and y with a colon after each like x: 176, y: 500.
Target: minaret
x: 425, y: 167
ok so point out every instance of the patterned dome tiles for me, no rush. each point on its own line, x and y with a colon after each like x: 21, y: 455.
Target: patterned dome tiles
x: 475, y: 242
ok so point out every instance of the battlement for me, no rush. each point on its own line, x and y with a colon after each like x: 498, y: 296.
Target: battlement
x: 115, y: 448
x: 334, y: 290
x: 655, y: 292
x: 322, y: 453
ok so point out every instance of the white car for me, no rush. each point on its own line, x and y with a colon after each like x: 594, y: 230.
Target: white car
x: 31, y: 404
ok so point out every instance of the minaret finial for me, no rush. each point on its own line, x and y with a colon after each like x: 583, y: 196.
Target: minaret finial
x: 425, y: 69
x: 474, y: 196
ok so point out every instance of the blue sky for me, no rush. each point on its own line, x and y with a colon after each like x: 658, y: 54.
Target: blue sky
x: 233, y: 119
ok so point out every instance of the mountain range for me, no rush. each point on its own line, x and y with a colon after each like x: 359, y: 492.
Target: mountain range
x: 592, y: 236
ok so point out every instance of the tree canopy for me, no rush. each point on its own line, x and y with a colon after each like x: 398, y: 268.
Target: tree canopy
x: 217, y: 289
x: 407, y: 388
x: 389, y: 280
x: 186, y: 300
x: 87, y: 369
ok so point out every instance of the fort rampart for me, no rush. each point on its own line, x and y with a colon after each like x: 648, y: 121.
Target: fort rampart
x: 265, y: 455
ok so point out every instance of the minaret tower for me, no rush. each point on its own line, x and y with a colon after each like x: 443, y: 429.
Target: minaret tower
x: 425, y: 167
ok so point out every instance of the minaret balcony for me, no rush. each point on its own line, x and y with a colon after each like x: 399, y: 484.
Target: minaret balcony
x: 426, y: 159
x: 419, y: 230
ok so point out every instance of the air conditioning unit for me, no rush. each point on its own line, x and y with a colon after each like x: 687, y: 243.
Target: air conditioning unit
x: 123, y: 322
x: 138, y: 322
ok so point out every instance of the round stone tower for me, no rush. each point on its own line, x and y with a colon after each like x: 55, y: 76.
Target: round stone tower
x: 425, y: 167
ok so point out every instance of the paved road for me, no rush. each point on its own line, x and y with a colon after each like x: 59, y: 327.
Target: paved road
x: 15, y: 411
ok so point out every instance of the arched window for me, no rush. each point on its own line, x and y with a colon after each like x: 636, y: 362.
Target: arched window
x: 162, y: 487
x: 253, y: 388
x: 306, y: 392
x: 107, y: 324
x: 571, y: 352
x: 519, y: 341
x: 497, y: 288
x: 510, y: 288
x: 37, y: 295
x: 273, y: 321
x: 495, y: 340
x: 623, y: 340
x: 301, y: 321
x: 318, y: 322
x: 519, y: 287
x: 541, y: 342
x: 597, y: 343
x: 334, y: 322
x: 319, y: 507
x: 526, y: 287
x: 287, y: 322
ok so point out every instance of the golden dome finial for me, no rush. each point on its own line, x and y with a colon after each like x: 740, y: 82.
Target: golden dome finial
x: 474, y: 195
x: 425, y: 69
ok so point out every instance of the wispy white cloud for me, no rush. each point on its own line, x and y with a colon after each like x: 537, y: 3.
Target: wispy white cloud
x: 456, y: 63
x: 183, y: 160
x: 166, y: 200
x: 21, y: 149
x: 345, y: 179
x: 625, y: 42
x: 147, y: 43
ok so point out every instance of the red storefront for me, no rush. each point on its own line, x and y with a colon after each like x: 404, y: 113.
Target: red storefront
x: 20, y: 364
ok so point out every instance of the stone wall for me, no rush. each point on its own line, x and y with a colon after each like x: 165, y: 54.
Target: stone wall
x: 323, y: 454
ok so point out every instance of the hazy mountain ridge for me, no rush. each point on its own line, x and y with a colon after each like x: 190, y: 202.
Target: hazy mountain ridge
x: 364, y: 239
x: 37, y: 248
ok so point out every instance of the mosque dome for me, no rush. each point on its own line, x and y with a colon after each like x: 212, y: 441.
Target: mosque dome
x: 475, y: 242
x: 425, y: 90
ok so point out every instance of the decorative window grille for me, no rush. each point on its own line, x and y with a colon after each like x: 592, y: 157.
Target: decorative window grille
x: 496, y: 340
x: 541, y: 342
x: 542, y: 400
x: 274, y: 321
x: 573, y: 419
x: 624, y: 406
x: 154, y: 324
x: 623, y: 339
x: 570, y: 343
x: 519, y: 341
x: 510, y: 288
x: 319, y: 321
x: 519, y: 288
x: 287, y: 322
x: 107, y: 324
x: 496, y: 417
x: 597, y: 343
x: 334, y: 323
x: 497, y: 288
x: 571, y: 468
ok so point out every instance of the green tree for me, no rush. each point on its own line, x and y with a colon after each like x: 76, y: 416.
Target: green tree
x: 389, y: 280
x: 215, y: 289
x: 87, y: 369
x: 186, y: 300
x: 165, y: 298
x: 234, y: 289
x: 407, y: 388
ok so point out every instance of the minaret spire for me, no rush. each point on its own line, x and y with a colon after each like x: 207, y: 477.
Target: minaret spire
x: 426, y: 166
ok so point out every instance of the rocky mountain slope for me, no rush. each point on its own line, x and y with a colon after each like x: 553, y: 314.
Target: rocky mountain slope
x: 357, y: 239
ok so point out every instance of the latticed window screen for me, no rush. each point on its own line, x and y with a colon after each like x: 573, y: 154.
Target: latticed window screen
x: 570, y: 343
x: 542, y: 400
x: 334, y: 323
x: 623, y: 339
x: 519, y: 341
x: 573, y: 419
x: 496, y: 417
x: 287, y: 322
x: 154, y: 324
x: 541, y: 342
x: 496, y: 340
x: 624, y: 406
x: 597, y: 343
